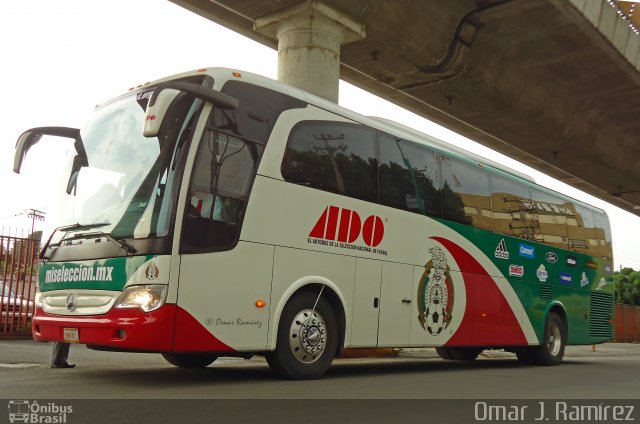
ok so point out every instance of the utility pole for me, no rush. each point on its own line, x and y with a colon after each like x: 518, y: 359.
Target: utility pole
x: 35, y: 214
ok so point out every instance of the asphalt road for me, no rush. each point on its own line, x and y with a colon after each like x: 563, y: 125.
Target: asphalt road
x: 415, y: 387
x: 609, y: 373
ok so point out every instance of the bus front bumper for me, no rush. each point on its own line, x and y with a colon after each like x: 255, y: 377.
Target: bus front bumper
x: 119, y: 329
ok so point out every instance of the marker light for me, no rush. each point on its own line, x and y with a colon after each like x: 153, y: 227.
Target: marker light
x: 148, y: 298
x: 236, y: 74
x: 260, y: 303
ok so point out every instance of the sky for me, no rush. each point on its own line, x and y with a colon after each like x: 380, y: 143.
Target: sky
x: 58, y: 59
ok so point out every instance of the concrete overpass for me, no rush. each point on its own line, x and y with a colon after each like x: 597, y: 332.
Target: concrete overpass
x: 552, y: 83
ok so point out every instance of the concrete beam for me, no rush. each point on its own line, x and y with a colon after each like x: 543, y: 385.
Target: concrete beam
x: 552, y: 83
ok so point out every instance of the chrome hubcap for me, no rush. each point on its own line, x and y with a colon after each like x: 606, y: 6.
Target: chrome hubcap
x: 308, y: 336
x: 555, y: 339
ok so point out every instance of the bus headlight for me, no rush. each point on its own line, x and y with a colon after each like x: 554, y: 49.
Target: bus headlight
x: 147, y: 298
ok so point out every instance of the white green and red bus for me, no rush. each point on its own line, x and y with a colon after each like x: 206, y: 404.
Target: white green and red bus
x: 220, y: 213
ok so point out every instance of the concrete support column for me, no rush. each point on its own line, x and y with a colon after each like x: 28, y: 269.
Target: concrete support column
x: 309, y: 37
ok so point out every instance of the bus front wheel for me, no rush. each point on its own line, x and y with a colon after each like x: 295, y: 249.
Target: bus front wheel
x: 459, y: 353
x: 307, y: 338
x: 444, y: 353
x: 190, y: 360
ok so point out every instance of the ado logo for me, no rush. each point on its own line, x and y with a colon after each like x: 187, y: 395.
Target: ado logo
x: 345, y: 225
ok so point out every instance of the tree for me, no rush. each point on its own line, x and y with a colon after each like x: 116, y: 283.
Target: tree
x: 627, y: 286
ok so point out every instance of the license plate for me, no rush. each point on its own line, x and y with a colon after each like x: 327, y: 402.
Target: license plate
x: 71, y: 335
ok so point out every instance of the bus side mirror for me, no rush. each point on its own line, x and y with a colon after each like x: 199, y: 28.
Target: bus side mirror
x: 78, y: 162
x: 30, y: 137
x: 164, y: 95
x: 26, y: 140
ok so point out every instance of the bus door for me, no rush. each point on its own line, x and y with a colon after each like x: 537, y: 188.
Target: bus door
x: 225, y: 283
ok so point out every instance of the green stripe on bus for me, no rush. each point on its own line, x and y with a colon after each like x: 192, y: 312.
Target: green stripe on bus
x: 102, y: 274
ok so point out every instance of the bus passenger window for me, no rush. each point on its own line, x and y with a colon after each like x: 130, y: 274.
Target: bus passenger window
x: 333, y: 156
x: 409, y: 176
x: 512, y: 208
x: 583, y: 235
x: 466, y: 195
x: 550, y: 213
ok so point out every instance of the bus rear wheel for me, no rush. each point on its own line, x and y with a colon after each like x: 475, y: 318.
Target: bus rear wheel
x: 525, y: 355
x: 551, y: 351
x: 190, y: 360
x: 307, y: 339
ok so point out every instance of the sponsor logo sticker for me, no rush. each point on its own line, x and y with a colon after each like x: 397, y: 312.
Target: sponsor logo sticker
x: 527, y: 251
x: 601, y: 283
x: 565, y: 278
x: 501, y: 250
x: 516, y: 270
x: 590, y: 264
x: 584, y: 281
x: 542, y: 274
x: 552, y: 258
x: 572, y: 261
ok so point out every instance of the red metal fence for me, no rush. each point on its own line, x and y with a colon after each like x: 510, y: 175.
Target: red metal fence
x: 18, y: 279
x: 627, y: 324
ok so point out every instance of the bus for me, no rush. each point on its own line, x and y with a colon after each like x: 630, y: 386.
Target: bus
x: 220, y: 213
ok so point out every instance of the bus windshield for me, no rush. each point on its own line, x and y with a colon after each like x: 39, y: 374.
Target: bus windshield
x: 128, y: 184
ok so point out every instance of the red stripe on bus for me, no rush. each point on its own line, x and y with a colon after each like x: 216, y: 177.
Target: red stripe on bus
x: 192, y: 336
x: 488, y: 319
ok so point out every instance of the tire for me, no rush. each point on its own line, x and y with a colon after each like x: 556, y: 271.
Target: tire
x: 464, y: 353
x: 444, y: 353
x: 459, y: 353
x: 190, y: 360
x: 306, y: 343
x: 525, y: 356
x: 551, y: 351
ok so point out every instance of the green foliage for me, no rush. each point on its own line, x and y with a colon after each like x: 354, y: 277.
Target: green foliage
x: 627, y: 286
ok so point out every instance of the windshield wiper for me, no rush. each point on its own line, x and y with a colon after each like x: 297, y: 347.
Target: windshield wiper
x: 130, y: 250
x: 76, y: 226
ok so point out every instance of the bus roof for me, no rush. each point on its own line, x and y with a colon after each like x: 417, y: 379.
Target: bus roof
x: 222, y: 75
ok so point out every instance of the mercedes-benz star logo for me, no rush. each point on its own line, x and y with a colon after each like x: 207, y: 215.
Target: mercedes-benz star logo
x: 72, y: 302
